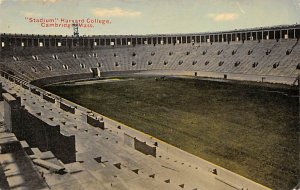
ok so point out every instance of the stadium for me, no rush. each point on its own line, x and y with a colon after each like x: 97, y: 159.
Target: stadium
x: 206, y: 111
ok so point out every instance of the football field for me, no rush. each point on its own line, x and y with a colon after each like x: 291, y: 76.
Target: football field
x: 248, y: 128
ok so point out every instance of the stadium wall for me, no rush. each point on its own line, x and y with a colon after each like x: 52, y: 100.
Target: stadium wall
x: 37, y: 129
x: 61, y: 78
x: 10, y: 41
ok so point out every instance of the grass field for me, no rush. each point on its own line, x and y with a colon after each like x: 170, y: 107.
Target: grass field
x: 249, y: 129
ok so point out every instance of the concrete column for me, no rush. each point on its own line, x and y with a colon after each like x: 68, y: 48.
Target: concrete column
x: 1, y: 90
x: 88, y: 42
x: 294, y: 33
x: 12, y: 114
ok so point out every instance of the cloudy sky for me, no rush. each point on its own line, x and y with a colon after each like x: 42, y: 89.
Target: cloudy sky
x: 143, y: 16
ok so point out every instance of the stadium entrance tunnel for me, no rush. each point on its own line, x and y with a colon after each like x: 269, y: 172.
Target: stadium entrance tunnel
x: 95, y: 72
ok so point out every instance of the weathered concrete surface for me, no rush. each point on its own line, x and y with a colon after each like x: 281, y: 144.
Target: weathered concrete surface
x: 16, y: 168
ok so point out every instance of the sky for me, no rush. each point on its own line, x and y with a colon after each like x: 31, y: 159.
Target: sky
x: 121, y: 17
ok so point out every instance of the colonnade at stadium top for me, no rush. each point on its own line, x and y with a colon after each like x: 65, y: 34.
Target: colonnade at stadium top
x: 265, y: 33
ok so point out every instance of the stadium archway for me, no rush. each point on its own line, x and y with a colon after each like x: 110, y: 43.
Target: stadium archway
x: 95, y: 71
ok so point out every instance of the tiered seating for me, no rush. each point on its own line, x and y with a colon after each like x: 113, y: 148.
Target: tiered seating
x: 265, y: 57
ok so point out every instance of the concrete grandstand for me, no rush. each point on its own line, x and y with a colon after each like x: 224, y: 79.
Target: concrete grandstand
x: 269, y: 54
x: 65, y: 145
